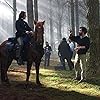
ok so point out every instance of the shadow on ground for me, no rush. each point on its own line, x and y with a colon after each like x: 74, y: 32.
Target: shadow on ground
x: 94, y: 81
x: 19, y: 90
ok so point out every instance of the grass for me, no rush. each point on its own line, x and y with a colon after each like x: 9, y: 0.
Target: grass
x: 57, y: 85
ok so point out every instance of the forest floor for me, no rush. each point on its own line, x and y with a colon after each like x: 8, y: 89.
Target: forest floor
x: 56, y: 85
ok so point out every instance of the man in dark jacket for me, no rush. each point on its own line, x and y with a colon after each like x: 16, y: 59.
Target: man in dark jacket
x: 83, y: 44
x: 47, y: 53
x: 65, y: 52
x: 22, y: 28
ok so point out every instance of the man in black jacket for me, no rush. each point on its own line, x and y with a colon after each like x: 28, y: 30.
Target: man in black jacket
x: 47, y: 53
x: 22, y: 28
x: 64, y: 52
x: 83, y: 44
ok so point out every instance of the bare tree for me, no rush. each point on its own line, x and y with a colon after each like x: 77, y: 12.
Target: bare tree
x: 72, y: 17
x: 14, y: 14
x: 77, y: 16
x: 30, y: 13
x: 51, y: 24
x: 60, y: 17
x: 36, y: 9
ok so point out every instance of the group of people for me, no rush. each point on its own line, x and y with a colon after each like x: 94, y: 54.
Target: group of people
x: 81, y: 48
x: 65, y: 53
x: 65, y: 50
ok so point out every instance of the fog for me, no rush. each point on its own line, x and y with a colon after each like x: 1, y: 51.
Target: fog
x: 58, y: 12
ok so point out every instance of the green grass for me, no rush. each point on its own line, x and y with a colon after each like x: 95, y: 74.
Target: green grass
x: 57, y: 85
x: 63, y: 80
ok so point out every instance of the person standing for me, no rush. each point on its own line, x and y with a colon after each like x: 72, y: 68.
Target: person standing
x: 47, y: 54
x: 83, y: 44
x: 22, y: 29
x: 72, y: 46
x: 64, y: 52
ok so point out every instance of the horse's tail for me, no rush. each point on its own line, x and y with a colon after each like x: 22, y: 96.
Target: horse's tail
x: 2, y: 49
x: 2, y: 52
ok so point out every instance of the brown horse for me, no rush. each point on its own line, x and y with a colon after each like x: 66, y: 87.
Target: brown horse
x: 34, y: 53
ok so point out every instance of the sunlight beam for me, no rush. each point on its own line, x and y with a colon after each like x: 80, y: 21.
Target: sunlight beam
x: 2, y: 1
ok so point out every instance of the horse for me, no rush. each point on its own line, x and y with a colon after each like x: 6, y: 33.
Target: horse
x: 34, y: 53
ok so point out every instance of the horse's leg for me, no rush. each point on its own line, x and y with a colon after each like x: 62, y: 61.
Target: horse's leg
x: 37, y: 64
x: 29, y: 64
x: 6, y: 69
x: 2, y: 71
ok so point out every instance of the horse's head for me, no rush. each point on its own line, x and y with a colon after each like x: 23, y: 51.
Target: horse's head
x: 39, y: 31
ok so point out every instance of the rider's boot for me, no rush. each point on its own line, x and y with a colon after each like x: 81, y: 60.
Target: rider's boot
x: 20, y: 61
x: 18, y: 55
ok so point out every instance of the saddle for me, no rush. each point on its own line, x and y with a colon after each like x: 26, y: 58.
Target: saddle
x: 13, y: 46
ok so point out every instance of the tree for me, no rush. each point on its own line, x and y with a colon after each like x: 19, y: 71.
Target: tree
x: 94, y: 31
x: 72, y: 17
x: 14, y: 14
x: 77, y: 16
x: 60, y: 16
x: 30, y: 13
x: 36, y: 9
x: 51, y: 25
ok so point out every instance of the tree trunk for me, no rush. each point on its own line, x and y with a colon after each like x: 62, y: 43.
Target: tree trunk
x: 72, y: 17
x: 77, y: 17
x: 36, y: 9
x: 94, y: 31
x: 59, y: 28
x: 14, y: 15
x: 51, y: 25
x: 59, y: 20
x: 30, y: 13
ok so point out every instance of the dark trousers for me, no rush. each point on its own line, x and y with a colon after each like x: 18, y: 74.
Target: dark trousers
x: 62, y: 63
x: 70, y: 63
x: 47, y: 60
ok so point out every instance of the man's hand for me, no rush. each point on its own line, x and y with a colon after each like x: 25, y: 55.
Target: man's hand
x: 76, y: 49
x: 29, y: 32
x: 79, y: 47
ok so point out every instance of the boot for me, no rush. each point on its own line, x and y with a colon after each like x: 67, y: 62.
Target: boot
x: 18, y: 56
x: 20, y: 61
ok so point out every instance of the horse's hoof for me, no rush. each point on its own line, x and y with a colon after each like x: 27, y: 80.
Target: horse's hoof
x: 38, y: 83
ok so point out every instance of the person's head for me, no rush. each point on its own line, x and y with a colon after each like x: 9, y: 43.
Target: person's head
x: 82, y: 31
x: 22, y: 15
x: 47, y: 43
x: 70, y: 31
x: 64, y: 39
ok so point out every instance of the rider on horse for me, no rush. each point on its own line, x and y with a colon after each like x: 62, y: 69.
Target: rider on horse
x: 22, y: 29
